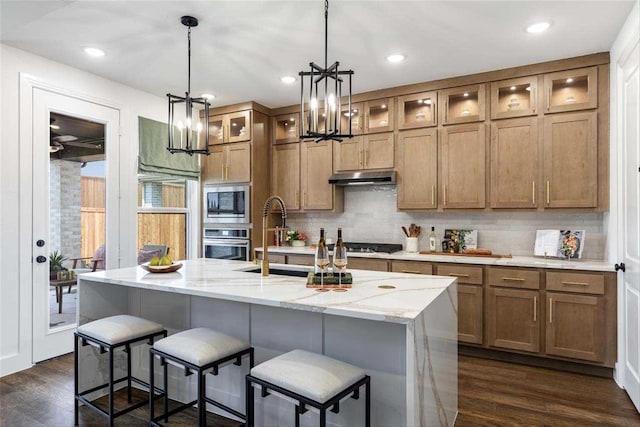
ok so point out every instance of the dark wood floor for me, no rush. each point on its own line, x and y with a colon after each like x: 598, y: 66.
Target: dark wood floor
x: 491, y: 393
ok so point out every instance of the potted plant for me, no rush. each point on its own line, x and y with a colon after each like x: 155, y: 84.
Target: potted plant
x: 55, y: 264
x: 296, y: 238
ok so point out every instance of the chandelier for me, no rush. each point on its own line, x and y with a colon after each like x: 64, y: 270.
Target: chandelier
x: 324, y: 90
x: 181, y: 137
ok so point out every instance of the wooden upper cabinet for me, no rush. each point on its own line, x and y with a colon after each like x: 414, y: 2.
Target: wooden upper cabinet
x: 513, y: 316
x: 348, y: 155
x: 417, y: 178
x: 285, y: 174
x: 417, y: 110
x: 378, y: 151
x: 514, y: 163
x: 462, y: 155
x: 233, y: 127
x: 571, y: 90
x: 514, y: 98
x: 378, y: 115
x: 570, y: 160
x: 286, y: 128
x: 356, y: 116
x: 228, y: 164
x: 315, y: 169
x: 462, y: 104
x: 576, y: 326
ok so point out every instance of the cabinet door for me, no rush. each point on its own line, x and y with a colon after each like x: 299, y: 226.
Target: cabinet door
x: 514, y: 163
x: 239, y: 126
x: 570, y: 160
x: 514, y: 98
x: 513, y: 317
x: 217, y: 129
x: 315, y: 170
x: 575, y: 327
x: 463, y: 166
x: 238, y: 158
x: 286, y: 128
x: 470, y: 314
x: 417, y: 169
x: 418, y: 110
x: 356, y: 116
x: 571, y: 90
x: 285, y: 174
x: 214, y: 165
x: 462, y: 104
x: 348, y: 154
x: 378, y: 115
x: 379, y: 151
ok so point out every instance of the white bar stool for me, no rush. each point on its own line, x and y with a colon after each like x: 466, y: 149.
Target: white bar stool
x: 312, y: 380
x: 199, y: 351
x: 108, y: 334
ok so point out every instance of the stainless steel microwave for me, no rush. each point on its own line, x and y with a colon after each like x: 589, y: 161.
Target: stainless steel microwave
x: 226, y: 204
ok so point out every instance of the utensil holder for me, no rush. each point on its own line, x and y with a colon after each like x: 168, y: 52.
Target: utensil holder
x: 411, y: 245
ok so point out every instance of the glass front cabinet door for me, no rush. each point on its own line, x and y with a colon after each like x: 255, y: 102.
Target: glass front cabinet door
x: 571, y: 90
x: 514, y: 98
x: 417, y: 110
x: 378, y: 115
x: 462, y: 104
x: 286, y: 128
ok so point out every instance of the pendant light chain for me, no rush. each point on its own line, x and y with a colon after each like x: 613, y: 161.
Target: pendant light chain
x: 326, y: 32
x: 189, y: 63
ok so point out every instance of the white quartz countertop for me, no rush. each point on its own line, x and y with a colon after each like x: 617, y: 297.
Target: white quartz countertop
x: 516, y: 261
x: 227, y: 280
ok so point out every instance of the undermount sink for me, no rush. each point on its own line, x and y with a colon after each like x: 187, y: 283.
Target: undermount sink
x: 280, y: 272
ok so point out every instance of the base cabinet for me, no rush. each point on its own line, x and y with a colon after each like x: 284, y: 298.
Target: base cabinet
x: 575, y: 326
x: 470, y: 314
x: 513, y: 316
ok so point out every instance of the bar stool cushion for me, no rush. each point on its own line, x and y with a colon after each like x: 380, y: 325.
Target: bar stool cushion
x: 117, y: 329
x: 200, y: 346
x: 312, y: 375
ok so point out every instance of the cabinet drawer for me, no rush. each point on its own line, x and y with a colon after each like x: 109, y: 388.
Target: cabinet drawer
x: 368, y: 264
x: 514, y: 278
x: 583, y: 283
x: 300, y: 259
x: 415, y: 267
x: 273, y: 258
x: 465, y: 274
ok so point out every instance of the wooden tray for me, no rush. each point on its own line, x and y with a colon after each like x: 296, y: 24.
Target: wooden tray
x: 330, y: 281
x: 161, y: 268
x: 463, y: 254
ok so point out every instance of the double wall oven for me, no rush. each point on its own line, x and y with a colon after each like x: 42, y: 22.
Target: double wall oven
x: 227, y: 220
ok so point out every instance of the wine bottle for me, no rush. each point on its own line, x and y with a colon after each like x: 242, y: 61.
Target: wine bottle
x: 322, y: 255
x: 433, y: 240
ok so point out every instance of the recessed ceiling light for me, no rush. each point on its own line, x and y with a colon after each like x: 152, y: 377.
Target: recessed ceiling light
x: 208, y: 96
x: 94, y: 51
x: 569, y: 80
x: 465, y: 94
x: 56, y: 127
x: 512, y: 88
x: 538, y: 27
x: 287, y: 79
x: 396, y: 57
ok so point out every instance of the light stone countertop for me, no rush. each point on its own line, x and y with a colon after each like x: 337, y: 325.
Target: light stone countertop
x: 516, y: 261
x: 228, y: 280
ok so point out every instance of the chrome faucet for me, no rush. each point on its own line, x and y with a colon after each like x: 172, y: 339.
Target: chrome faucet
x: 265, y: 229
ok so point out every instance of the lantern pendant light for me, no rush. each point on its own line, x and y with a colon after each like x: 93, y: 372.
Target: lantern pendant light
x: 181, y: 139
x: 324, y: 91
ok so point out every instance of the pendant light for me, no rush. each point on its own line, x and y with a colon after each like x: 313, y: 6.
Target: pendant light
x: 324, y: 91
x: 181, y: 138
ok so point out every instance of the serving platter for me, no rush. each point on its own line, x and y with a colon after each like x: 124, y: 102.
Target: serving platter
x: 161, y: 268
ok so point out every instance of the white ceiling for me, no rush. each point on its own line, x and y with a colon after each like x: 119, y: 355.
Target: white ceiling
x: 242, y: 48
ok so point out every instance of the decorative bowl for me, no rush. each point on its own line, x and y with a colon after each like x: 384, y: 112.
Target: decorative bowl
x: 161, y: 268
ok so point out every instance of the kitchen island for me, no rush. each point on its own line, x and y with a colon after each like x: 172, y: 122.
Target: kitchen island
x: 404, y: 334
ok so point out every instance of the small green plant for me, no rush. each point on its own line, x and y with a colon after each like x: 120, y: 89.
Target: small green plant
x: 55, y: 261
x: 295, y: 235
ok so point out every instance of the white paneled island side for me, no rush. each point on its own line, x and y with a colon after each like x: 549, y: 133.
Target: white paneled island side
x: 404, y: 335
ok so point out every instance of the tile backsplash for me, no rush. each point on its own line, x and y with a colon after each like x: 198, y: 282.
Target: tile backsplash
x: 370, y: 216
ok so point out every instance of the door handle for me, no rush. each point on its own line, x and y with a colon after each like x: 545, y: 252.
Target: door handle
x: 535, y: 309
x: 548, y: 196
x: 550, y: 310
x: 433, y: 195
x: 41, y: 259
x: 444, y: 195
x: 533, y: 192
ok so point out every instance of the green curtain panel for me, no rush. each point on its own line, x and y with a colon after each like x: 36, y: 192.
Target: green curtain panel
x: 153, y: 156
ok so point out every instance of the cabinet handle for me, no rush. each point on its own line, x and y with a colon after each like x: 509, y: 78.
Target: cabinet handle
x: 411, y: 271
x: 360, y: 158
x: 366, y: 157
x: 444, y: 195
x: 550, y: 310
x: 548, y: 197
x: 458, y: 275
x: 575, y: 283
x: 433, y: 195
x: 549, y: 99
x: 296, y: 199
x: 535, y: 309
x: 533, y: 192
x: 513, y: 279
